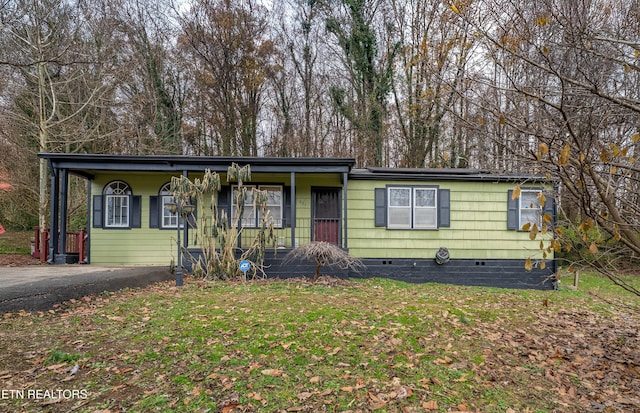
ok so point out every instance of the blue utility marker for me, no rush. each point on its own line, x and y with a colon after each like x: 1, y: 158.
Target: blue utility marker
x: 245, y: 266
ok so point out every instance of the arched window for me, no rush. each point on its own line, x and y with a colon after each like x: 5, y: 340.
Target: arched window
x: 169, y: 219
x: 117, y: 197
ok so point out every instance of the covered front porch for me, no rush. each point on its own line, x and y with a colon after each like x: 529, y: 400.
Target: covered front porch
x: 314, y: 202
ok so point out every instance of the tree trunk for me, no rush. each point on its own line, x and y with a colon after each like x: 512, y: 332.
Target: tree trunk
x: 43, y: 138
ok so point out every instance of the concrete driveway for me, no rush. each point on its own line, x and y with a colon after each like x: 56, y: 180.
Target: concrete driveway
x: 39, y: 287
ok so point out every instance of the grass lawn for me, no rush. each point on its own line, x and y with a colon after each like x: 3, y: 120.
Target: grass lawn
x: 16, y: 242
x: 294, y: 346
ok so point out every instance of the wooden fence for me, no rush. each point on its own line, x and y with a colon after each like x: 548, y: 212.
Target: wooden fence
x: 76, y: 245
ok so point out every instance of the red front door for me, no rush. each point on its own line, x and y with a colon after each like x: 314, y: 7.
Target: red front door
x: 326, y: 215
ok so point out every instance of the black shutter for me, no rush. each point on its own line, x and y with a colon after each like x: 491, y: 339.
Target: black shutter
x: 97, y: 211
x: 286, y: 213
x: 136, y: 211
x: 444, y: 208
x: 154, y: 212
x: 224, y: 203
x: 512, y: 211
x: 550, y: 207
x: 380, y: 207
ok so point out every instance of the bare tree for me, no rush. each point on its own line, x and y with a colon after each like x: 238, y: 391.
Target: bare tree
x: 54, y: 80
x: 153, y: 83
x: 298, y: 92
x: 234, y: 54
x: 431, y: 68
x: 568, y: 78
x: 364, y: 101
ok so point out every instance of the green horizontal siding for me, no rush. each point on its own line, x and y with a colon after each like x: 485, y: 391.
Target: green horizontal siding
x: 478, y: 225
x: 477, y: 230
x: 152, y: 246
x: 136, y: 246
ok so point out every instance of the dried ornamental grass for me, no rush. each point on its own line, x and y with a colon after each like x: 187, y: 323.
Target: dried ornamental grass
x: 324, y: 254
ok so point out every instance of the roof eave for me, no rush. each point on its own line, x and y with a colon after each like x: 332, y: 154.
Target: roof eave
x: 168, y: 163
x: 449, y: 176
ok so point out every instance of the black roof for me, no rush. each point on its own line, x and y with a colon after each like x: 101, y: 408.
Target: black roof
x: 89, y: 164
x: 441, y: 174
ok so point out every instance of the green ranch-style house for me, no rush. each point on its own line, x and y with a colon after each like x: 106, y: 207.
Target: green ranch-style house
x: 394, y: 219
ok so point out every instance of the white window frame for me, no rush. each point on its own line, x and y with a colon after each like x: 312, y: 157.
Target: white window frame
x: 172, y: 217
x: 277, y: 218
x: 248, y: 214
x: 253, y: 215
x: 525, y: 207
x: 433, y: 208
x: 117, y: 195
x: 412, y: 208
x: 401, y: 209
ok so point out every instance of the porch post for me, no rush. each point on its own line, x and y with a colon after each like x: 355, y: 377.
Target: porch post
x: 53, y: 219
x: 61, y: 257
x: 293, y: 209
x: 185, y: 229
x: 345, y: 238
x: 88, y: 250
